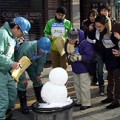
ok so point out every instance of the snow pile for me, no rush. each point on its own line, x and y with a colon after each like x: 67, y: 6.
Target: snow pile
x: 54, y: 92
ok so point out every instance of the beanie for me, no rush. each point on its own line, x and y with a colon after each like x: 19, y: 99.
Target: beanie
x: 73, y: 34
x: 116, y: 28
x: 61, y: 9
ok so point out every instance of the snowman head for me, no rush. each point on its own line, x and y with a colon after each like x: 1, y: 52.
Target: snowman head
x: 58, y: 76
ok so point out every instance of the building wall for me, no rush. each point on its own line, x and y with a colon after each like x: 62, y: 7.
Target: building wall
x: 75, y: 13
x: 30, y: 9
x: 40, y: 11
x: 86, y: 5
x: 113, y: 9
x: 37, y: 11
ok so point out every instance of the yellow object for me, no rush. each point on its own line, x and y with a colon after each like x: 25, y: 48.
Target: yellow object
x: 70, y: 48
x: 60, y: 42
x: 25, y: 63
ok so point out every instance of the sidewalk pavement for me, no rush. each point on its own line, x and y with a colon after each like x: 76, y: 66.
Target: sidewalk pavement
x: 96, y: 112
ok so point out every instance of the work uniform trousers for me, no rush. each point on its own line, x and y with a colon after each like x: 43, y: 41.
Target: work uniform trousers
x: 82, y: 84
x: 58, y: 60
x: 32, y: 76
x: 8, y: 93
x: 113, y: 88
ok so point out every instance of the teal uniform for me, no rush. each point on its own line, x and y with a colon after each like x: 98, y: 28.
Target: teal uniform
x: 8, y: 91
x: 29, y: 49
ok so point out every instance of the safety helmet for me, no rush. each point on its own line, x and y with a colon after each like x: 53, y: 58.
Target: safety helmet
x: 73, y: 34
x: 44, y: 44
x: 23, y: 23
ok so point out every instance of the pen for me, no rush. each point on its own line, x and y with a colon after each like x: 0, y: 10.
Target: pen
x: 20, y: 65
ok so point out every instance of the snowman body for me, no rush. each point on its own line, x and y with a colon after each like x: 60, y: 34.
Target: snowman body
x: 52, y: 93
x: 55, y: 91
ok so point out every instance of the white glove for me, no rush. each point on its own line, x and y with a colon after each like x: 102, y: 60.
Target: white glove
x: 75, y: 57
x: 79, y: 57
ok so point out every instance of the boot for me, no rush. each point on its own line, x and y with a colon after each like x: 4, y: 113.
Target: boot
x: 23, y: 102
x: 9, y: 115
x: 37, y: 91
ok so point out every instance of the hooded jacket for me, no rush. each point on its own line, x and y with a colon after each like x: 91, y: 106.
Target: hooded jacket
x: 85, y: 49
x: 7, y: 45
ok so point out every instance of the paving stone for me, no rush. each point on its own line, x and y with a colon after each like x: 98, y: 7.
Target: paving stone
x: 96, y: 112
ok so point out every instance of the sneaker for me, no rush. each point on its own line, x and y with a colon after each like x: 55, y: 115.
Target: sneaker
x: 102, y: 93
x: 84, y: 107
x: 77, y: 105
x: 113, y: 105
x: 107, y: 100
x: 94, y: 84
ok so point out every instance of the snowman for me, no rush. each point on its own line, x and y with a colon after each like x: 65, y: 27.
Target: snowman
x: 55, y: 91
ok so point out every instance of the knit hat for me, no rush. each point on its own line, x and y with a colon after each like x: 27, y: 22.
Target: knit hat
x: 116, y: 28
x: 73, y: 34
x: 61, y: 9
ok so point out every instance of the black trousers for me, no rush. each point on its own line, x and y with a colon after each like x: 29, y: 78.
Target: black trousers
x: 113, y: 88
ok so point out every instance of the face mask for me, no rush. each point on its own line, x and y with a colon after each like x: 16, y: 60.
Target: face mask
x: 58, y: 20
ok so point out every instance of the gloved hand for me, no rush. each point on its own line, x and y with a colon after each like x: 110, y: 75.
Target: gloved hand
x: 72, y: 58
x: 79, y: 57
x: 38, y: 78
x: 25, y: 82
x: 75, y: 57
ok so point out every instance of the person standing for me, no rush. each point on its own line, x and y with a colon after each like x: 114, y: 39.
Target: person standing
x: 8, y: 34
x: 113, y: 62
x: 36, y: 51
x: 57, y: 30
x: 88, y: 25
x: 100, y: 34
x: 105, y: 10
x: 79, y: 51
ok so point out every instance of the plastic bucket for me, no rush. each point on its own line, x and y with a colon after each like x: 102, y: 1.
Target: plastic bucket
x: 58, y: 113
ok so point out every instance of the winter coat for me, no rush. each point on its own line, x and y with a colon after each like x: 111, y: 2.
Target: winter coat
x: 111, y: 61
x: 66, y: 25
x: 86, y: 50
x: 105, y: 42
x: 7, y: 45
x: 29, y: 49
x: 85, y: 27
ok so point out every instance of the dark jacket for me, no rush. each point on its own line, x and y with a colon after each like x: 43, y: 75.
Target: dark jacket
x: 86, y: 50
x: 111, y: 61
x: 85, y: 27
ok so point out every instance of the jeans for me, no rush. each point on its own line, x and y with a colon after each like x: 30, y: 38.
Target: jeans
x: 99, y: 70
